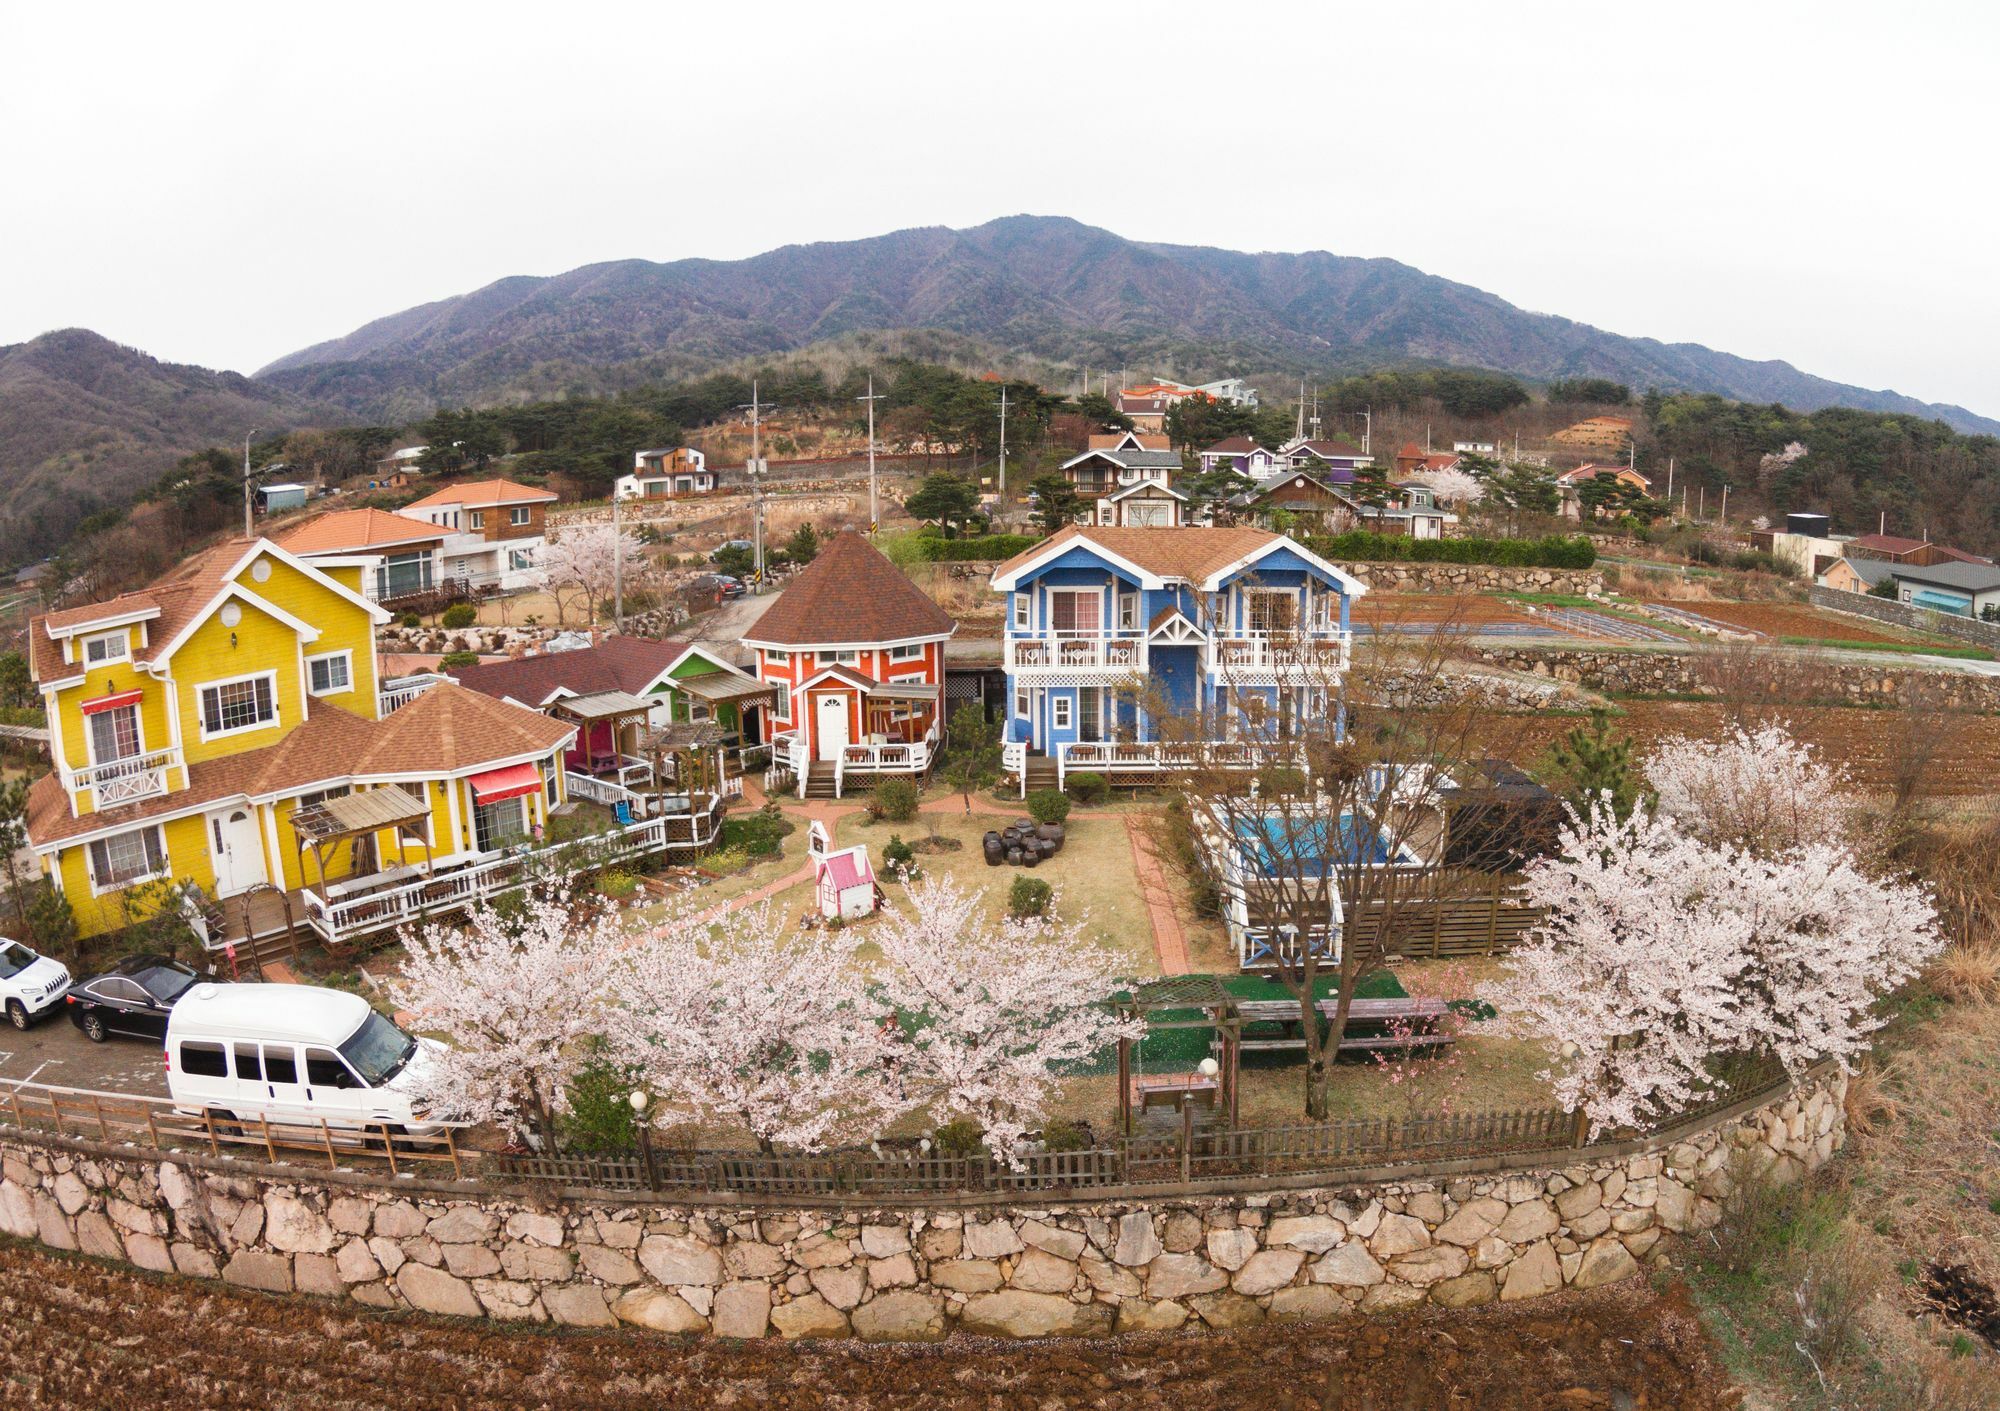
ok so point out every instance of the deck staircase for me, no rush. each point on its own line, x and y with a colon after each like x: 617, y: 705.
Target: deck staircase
x: 820, y: 781
x: 1042, y: 773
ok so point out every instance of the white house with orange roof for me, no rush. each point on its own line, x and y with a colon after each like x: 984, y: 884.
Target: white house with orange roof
x: 498, y: 527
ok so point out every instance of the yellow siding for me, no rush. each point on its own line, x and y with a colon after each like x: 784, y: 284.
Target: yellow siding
x: 154, y: 726
x: 188, y: 860
x: 343, y: 625
x: 262, y: 643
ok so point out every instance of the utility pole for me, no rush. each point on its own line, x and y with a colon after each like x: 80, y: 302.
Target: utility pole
x: 617, y: 567
x: 1723, y: 517
x: 1670, y: 481
x: 249, y: 530
x: 1368, y: 431
x: 874, y: 516
x: 754, y: 471
x: 1003, y: 445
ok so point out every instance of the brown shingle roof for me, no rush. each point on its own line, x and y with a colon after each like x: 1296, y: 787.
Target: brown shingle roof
x: 178, y: 594
x: 615, y: 664
x: 346, y: 530
x: 850, y: 594
x: 1232, y: 446
x: 1185, y: 553
x: 446, y: 730
x: 474, y: 494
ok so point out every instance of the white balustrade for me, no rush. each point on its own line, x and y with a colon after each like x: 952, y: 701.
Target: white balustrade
x: 399, y: 691
x: 120, y: 781
x: 1281, y: 653
x: 1055, y: 654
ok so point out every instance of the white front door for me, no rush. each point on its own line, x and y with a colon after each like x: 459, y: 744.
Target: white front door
x: 830, y: 725
x: 236, y: 843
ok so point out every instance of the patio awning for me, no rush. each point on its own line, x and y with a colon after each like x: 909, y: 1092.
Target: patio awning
x: 496, y: 785
x: 720, y: 686
x: 122, y: 698
x: 601, y: 705
x: 349, y: 814
x: 903, y: 691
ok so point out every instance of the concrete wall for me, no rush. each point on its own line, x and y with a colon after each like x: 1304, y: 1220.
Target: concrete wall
x: 1964, y: 629
x: 898, y: 1274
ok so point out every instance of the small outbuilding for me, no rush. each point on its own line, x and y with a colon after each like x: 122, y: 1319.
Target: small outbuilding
x: 843, y: 880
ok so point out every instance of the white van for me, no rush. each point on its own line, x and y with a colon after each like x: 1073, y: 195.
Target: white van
x: 292, y: 1053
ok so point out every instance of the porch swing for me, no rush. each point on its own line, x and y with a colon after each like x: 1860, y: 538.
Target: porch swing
x: 1169, y: 1071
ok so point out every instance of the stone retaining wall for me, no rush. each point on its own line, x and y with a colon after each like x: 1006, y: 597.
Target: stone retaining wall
x: 1087, y: 1269
x: 1944, y: 624
x: 1792, y: 677
x: 1473, y: 578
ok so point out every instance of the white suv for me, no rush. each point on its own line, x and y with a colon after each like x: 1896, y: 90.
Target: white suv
x: 30, y: 984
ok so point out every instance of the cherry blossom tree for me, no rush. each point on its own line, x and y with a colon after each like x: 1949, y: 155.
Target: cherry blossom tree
x: 1458, y: 487
x: 732, y: 1019
x: 584, y: 560
x: 515, y: 994
x: 1763, y: 789
x: 988, y: 1011
x: 1664, y: 950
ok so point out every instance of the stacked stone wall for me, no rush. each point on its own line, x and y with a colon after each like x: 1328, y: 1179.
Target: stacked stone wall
x: 1219, y: 1260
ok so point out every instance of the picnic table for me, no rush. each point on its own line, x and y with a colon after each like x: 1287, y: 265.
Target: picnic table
x: 1370, y: 1017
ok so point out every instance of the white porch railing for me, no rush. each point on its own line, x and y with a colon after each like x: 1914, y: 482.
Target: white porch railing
x: 1037, y: 656
x: 1280, y: 654
x: 399, y: 691
x: 895, y: 757
x: 119, y: 781
x: 349, y: 917
x: 1115, y: 756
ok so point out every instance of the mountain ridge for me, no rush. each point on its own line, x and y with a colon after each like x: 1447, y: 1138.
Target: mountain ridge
x: 1047, y: 286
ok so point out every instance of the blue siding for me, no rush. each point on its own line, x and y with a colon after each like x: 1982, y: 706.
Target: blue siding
x: 1178, y: 670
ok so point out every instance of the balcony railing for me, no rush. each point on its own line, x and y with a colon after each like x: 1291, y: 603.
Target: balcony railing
x: 399, y: 691
x: 892, y: 756
x: 121, y: 781
x: 1059, y: 653
x: 1114, y: 756
x: 1280, y: 653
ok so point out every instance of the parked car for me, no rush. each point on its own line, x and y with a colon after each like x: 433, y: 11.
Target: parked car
x: 134, y: 997
x: 30, y: 983
x: 720, y: 584
x: 293, y: 1053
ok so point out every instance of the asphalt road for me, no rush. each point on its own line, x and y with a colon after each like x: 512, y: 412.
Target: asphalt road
x: 722, y: 631
x: 54, y: 1051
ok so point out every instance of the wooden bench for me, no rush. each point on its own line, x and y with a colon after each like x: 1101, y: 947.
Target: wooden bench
x: 1366, y: 1014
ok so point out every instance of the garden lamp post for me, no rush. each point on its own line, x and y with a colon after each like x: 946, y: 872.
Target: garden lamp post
x: 639, y: 1100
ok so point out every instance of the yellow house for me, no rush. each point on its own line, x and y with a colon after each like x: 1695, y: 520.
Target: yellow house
x: 226, y: 727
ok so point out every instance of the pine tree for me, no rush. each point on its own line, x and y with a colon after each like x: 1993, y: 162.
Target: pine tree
x: 1596, y: 763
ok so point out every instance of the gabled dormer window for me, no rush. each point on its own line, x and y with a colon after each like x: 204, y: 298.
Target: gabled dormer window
x: 110, y: 646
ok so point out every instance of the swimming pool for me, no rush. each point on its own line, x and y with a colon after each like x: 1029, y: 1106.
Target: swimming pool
x: 1274, y: 845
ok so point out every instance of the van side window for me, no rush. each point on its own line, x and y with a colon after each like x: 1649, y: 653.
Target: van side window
x: 279, y: 1065
x: 248, y: 1066
x: 203, y: 1060
x: 325, y: 1070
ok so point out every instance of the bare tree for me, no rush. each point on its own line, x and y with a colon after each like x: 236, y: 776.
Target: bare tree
x: 1324, y: 791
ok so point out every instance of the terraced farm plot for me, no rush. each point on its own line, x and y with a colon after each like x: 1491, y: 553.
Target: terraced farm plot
x: 1863, y: 742
x: 1796, y: 620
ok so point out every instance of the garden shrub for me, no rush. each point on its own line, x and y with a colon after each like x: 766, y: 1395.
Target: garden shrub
x: 894, y: 799
x: 599, y: 1119
x: 1029, y: 897
x: 961, y: 1137
x: 1048, y: 805
x: 617, y: 885
x: 410, y: 619
x: 1061, y: 1134
x: 452, y: 661
x: 986, y: 546
x: 1087, y: 788
x: 1361, y: 545
x: 899, y: 857
x: 460, y: 615
x: 755, y: 834
x: 1757, y: 561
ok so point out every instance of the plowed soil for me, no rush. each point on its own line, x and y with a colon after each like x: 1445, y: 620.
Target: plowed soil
x: 74, y: 1333
x: 1791, y: 620
x: 1862, y: 742
x: 1431, y: 609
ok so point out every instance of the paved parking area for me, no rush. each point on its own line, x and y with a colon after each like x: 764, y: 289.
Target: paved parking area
x: 55, y: 1052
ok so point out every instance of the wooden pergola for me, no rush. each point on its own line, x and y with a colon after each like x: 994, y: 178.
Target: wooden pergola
x: 322, y: 825
x: 695, y: 747
x: 1215, y: 1008
x: 617, y: 707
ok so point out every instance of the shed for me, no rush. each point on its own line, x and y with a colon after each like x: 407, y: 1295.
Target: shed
x: 843, y: 880
x: 281, y: 497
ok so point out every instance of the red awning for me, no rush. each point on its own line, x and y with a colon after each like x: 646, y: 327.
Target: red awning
x: 123, y: 698
x: 509, y: 783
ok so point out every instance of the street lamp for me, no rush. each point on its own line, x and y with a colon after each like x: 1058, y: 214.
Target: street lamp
x: 639, y: 1100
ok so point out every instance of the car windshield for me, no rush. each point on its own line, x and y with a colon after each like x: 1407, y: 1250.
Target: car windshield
x: 378, y: 1050
x: 165, y: 983
x: 14, y: 959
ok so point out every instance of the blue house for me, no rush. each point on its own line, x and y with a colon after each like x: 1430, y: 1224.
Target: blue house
x: 1124, y: 645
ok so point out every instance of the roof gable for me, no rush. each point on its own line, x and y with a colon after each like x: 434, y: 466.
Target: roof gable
x: 631, y: 664
x: 849, y: 595
x: 479, y: 494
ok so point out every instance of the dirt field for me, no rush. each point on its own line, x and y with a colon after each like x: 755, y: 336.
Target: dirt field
x: 1862, y: 741
x: 1793, y: 620
x: 1471, y: 610
x: 76, y: 1333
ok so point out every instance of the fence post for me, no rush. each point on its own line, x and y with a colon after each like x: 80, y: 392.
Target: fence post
x: 1579, y: 1127
x: 1187, y: 1137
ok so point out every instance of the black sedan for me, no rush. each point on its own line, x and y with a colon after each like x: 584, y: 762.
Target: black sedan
x: 132, y: 998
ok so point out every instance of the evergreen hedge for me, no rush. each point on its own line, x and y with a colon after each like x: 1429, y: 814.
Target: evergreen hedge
x: 1361, y: 546
x: 986, y: 546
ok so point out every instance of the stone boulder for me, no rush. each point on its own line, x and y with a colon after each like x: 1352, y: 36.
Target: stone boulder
x: 659, y: 1310
x: 742, y: 1310
x: 1267, y: 1271
x: 903, y: 1316
x: 677, y: 1259
x: 434, y: 1291
x: 1015, y: 1313
x: 1315, y: 1234
x: 809, y: 1317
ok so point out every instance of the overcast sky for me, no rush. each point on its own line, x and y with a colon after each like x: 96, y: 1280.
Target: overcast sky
x: 224, y: 185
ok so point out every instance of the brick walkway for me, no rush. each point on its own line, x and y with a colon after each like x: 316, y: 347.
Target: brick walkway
x: 1169, y: 941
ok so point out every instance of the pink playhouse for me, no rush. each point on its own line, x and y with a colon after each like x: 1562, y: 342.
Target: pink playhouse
x: 844, y: 880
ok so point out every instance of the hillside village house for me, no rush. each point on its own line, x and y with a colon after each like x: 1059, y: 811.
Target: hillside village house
x: 227, y: 727
x: 1413, y: 459
x: 1299, y: 497
x: 1332, y: 460
x: 856, y: 651
x: 1961, y: 589
x: 618, y: 691
x: 397, y: 556
x: 1127, y: 461
x: 497, y: 531
x: 665, y: 474
x: 1146, y: 408
x: 1245, y: 457
x: 1892, y: 548
x: 1109, y: 630
x: 1570, y: 483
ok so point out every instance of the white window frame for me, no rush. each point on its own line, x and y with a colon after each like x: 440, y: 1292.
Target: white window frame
x: 164, y: 867
x: 520, y: 801
x: 475, y: 519
x: 120, y: 639
x: 1128, y: 612
x: 1095, y: 595
x: 1022, y: 703
x: 520, y: 515
x: 774, y: 657
x: 1021, y: 603
x: 345, y: 658
x: 850, y: 657
x: 781, y: 707
x: 520, y: 560
x: 90, y: 733
x: 1062, y: 712
x: 202, y: 689
x: 1252, y: 595
x: 907, y: 653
